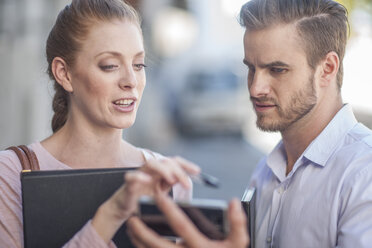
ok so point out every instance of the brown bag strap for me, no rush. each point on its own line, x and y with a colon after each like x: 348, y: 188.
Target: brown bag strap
x: 26, y: 156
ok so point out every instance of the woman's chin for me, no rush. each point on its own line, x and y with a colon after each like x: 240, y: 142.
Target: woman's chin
x: 125, y: 125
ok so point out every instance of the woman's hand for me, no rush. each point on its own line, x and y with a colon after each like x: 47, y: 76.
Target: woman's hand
x: 155, y: 176
x: 142, y: 236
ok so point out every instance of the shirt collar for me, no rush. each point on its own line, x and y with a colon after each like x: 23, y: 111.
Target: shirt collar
x: 277, y: 161
x: 323, y: 146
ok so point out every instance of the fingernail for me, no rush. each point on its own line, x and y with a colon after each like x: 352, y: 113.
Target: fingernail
x: 236, y: 204
x: 187, y: 184
x: 197, y: 169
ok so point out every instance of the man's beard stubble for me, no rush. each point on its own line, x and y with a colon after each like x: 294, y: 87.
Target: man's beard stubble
x: 301, y: 103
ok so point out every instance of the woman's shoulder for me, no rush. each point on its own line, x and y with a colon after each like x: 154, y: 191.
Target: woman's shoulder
x: 10, y: 199
x: 10, y: 169
x: 9, y: 163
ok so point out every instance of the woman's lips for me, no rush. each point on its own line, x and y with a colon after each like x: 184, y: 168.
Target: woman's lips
x: 124, y: 105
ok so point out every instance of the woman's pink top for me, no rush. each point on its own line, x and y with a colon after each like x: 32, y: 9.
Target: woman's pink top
x: 11, y: 226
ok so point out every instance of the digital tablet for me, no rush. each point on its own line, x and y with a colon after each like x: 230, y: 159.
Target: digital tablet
x: 57, y: 204
x: 208, y: 215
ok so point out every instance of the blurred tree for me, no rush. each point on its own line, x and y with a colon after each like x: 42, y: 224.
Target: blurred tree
x: 352, y: 4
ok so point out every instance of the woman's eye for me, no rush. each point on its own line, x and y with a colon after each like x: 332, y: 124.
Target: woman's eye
x: 139, y: 67
x: 108, y: 67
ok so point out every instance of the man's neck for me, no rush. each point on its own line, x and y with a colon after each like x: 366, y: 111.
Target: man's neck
x: 300, y: 134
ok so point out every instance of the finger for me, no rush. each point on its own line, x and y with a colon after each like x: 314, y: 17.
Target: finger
x: 124, y: 200
x: 143, y: 236
x: 179, y: 222
x: 136, y: 242
x: 170, y: 170
x: 135, y: 181
x: 238, y: 225
x: 160, y: 168
x: 180, y: 173
x: 187, y: 165
x: 137, y: 176
x: 132, y: 187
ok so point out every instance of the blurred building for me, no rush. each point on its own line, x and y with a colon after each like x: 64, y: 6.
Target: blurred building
x: 181, y: 36
x: 25, y: 97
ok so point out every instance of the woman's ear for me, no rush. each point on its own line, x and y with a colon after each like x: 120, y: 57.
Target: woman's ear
x: 329, y: 68
x: 61, y: 73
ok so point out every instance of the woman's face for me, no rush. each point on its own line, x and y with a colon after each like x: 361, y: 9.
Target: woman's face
x: 108, y: 76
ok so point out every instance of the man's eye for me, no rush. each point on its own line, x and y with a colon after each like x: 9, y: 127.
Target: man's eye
x: 139, y: 67
x: 108, y: 67
x: 278, y: 70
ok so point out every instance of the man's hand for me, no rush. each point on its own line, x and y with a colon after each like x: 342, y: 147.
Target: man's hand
x: 142, y: 236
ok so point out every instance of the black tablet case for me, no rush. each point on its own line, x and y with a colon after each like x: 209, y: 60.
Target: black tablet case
x: 57, y: 204
x: 249, y: 205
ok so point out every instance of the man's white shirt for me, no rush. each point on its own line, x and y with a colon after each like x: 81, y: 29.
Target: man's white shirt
x: 326, y: 200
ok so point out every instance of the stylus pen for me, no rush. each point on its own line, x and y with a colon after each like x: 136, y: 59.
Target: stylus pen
x: 206, y: 179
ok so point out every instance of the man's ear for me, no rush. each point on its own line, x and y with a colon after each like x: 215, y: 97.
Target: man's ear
x: 329, y: 67
x: 62, y: 74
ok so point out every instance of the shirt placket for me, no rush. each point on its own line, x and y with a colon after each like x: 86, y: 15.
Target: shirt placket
x: 275, y: 208
x: 277, y: 202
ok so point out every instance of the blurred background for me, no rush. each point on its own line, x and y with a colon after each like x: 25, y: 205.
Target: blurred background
x: 196, y: 102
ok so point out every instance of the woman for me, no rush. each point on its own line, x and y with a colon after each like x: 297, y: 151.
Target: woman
x: 96, y: 58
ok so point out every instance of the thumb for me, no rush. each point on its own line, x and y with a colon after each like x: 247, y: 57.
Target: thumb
x: 238, y: 225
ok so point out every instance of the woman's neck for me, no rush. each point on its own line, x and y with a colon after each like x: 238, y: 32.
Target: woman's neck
x: 80, y: 146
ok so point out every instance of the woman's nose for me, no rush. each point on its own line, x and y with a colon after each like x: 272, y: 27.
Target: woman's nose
x: 128, y: 78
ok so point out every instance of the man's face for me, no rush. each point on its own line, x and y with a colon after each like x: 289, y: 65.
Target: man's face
x: 280, y: 81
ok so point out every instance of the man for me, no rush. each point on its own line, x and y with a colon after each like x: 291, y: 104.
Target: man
x: 315, y: 188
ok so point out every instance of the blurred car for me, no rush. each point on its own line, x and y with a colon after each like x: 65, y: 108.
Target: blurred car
x: 212, y: 102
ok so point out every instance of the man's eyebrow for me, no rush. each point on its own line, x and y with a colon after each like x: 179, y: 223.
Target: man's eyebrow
x: 274, y: 64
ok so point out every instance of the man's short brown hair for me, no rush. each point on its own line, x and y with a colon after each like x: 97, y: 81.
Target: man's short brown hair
x: 321, y: 24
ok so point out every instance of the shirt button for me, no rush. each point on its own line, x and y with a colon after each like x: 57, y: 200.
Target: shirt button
x: 268, y: 239
x: 280, y: 190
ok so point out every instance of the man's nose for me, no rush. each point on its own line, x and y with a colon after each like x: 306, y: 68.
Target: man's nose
x: 258, y: 85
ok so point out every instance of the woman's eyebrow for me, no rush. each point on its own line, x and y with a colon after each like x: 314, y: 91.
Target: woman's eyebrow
x: 117, y: 54
x: 109, y: 52
x: 140, y: 54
